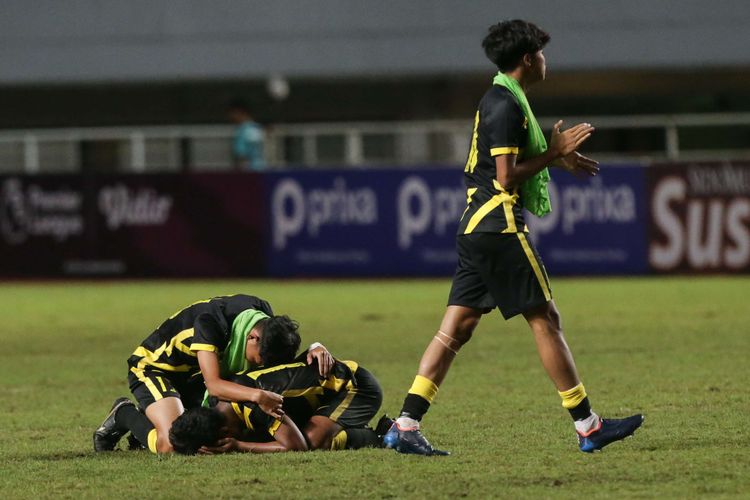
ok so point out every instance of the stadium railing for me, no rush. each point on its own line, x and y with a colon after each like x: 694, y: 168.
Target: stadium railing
x: 359, y: 144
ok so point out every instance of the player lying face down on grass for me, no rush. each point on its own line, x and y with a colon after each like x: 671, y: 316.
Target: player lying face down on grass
x: 498, y: 267
x: 332, y: 412
x: 193, y: 351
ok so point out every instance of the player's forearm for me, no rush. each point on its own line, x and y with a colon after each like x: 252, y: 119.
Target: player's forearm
x: 273, y: 447
x: 229, y: 391
x: 510, y: 178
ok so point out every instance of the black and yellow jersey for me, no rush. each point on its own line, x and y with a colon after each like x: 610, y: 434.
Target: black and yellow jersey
x: 500, y: 127
x: 203, y: 326
x: 303, y: 389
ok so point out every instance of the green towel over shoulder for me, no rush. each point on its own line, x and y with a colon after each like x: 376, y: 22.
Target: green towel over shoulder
x: 533, y: 190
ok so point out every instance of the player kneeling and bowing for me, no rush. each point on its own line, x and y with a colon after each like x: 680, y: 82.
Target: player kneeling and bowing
x: 332, y: 412
x: 193, y: 351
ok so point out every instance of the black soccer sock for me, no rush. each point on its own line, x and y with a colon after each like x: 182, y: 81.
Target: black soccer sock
x: 353, y: 439
x: 582, y: 411
x: 136, y: 422
x: 414, y: 407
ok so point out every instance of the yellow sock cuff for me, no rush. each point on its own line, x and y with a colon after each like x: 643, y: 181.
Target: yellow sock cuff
x: 424, y: 387
x: 339, y: 441
x: 152, y: 440
x: 573, y: 397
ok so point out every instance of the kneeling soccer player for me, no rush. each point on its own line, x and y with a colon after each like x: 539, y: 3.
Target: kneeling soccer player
x: 189, y: 353
x: 333, y: 413
x: 506, y: 171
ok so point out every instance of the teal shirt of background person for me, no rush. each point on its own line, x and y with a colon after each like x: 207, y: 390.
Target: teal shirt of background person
x: 247, y: 147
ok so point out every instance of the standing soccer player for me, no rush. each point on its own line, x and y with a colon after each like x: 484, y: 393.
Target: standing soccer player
x: 506, y: 171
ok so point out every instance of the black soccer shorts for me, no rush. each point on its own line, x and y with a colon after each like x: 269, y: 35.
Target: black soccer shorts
x: 149, y: 386
x: 500, y: 270
x: 355, y: 406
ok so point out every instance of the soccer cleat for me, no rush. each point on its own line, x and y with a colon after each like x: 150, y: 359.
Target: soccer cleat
x: 381, y: 428
x: 609, y: 431
x: 108, y: 434
x: 410, y: 441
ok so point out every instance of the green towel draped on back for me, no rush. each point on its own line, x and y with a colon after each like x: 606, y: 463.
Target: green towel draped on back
x: 534, y: 189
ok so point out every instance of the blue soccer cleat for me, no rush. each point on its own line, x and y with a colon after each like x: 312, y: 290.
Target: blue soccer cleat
x: 609, y: 431
x: 410, y: 441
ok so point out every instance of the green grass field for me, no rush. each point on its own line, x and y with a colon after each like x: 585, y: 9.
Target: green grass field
x: 675, y: 349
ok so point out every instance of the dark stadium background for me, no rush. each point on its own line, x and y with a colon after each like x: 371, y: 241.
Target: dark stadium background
x: 114, y: 144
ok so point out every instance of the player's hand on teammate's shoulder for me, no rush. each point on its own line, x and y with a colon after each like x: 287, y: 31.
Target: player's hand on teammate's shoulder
x: 270, y: 403
x: 324, y: 359
x: 565, y: 142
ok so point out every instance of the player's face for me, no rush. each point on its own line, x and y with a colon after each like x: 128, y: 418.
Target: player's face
x: 252, y: 351
x: 539, y: 65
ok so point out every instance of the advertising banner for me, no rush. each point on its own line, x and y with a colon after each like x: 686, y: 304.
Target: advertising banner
x: 364, y: 223
x: 132, y: 225
x: 699, y: 219
x: 597, y: 225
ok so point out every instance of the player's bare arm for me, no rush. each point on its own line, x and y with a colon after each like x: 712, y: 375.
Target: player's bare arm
x: 222, y: 389
x: 287, y: 438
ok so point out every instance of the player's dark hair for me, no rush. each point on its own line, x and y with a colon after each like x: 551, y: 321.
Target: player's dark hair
x: 508, y: 41
x: 280, y: 340
x: 195, y: 428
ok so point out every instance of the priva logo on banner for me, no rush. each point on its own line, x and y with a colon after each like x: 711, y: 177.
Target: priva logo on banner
x: 34, y: 212
x: 424, y: 209
x: 292, y: 209
x: 590, y: 203
x: 702, y: 219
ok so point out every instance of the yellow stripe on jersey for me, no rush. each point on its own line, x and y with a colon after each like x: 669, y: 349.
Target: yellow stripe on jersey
x: 488, y: 207
x: 469, y: 193
x: 149, y: 358
x: 309, y: 393
x: 504, y: 151
x: 188, y: 307
x: 344, y: 404
x: 257, y: 373
x: 471, y: 161
x: 540, y: 275
x: 203, y: 347
x: 176, y: 342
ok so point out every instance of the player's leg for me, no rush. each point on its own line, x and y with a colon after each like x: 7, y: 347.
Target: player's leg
x: 161, y: 401
x: 455, y: 331
x: 161, y: 414
x: 468, y: 300
x: 342, y: 423
x: 545, y: 322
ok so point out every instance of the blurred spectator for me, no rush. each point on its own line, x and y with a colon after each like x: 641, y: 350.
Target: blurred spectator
x: 247, y: 147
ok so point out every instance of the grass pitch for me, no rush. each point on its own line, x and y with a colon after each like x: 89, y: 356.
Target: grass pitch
x: 675, y: 349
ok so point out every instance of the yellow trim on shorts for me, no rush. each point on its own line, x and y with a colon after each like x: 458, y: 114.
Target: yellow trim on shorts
x: 540, y: 275
x: 148, y: 383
